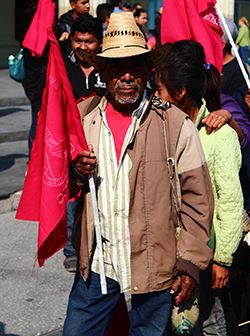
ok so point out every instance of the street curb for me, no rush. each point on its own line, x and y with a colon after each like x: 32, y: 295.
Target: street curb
x: 14, y: 101
x: 14, y: 136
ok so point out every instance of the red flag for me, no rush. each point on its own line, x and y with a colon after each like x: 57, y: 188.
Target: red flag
x: 36, y: 37
x: 59, y: 139
x: 196, y: 20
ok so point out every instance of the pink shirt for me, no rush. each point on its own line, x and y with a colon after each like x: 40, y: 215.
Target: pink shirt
x: 118, y: 124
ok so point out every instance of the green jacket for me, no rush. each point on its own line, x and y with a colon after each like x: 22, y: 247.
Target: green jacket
x: 223, y: 155
x: 243, y: 38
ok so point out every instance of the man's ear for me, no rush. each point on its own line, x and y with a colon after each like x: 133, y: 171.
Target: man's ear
x: 72, y: 5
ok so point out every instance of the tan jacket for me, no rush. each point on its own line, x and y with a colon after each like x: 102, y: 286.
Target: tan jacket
x: 156, y: 254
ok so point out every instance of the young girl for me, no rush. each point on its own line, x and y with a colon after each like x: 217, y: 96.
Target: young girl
x: 243, y: 40
x: 182, y: 80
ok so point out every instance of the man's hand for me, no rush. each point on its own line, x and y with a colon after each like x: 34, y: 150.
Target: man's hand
x: 220, y: 276
x: 216, y: 119
x: 64, y: 36
x: 183, y: 286
x: 85, y: 163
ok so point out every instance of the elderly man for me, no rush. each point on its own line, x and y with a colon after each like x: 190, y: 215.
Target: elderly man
x: 130, y: 141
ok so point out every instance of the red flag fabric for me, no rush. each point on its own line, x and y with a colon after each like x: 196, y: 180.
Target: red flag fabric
x: 197, y: 20
x: 36, y: 37
x: 59, y: 139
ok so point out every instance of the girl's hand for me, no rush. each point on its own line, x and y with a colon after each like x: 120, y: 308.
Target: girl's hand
x: 216, y: 119
x: 220, y: 276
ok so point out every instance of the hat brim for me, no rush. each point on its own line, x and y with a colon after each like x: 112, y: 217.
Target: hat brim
x: 122, y: 52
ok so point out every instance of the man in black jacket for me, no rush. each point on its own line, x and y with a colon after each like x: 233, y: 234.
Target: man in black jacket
x: 64, y: 24
x: 86, y: 35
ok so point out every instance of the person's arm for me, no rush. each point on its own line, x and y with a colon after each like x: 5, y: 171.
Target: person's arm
x: 196, y: 210
x: 240, y: 118
x: 229, y: 206
x: 240, y: 36
x: 59, y: 29
x: 220, y: 276
x: 216, y: 119
x: 247, y: 99
x: 83, y: 165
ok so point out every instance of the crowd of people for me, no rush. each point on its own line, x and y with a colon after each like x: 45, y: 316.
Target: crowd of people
x: 169, y: 145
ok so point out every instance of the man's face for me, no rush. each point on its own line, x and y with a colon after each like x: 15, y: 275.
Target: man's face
x: 125, y: 78
x: 85, y: 41
x: 81, y: 6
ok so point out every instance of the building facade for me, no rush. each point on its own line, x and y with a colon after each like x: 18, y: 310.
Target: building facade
x: 227, y: 8
x: 8, y: 43
x: 242, y: 8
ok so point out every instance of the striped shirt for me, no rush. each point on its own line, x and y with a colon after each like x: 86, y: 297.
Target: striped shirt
x: 113, y: 201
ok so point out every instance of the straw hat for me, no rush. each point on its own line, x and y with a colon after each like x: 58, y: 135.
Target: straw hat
x: 123, y: 37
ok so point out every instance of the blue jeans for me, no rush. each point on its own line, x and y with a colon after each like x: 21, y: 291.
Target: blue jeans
x: 89, y: 312
x: 244, y: 54
x: 68, y: 249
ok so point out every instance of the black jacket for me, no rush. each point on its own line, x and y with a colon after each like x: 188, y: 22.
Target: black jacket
x: 64, y: 24
x: 35, y: 77
x: 82, y: 86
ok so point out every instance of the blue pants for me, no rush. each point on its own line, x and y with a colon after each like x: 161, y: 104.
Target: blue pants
x: 89, y: 312
x: 69, y: 249
x: 244, y: 54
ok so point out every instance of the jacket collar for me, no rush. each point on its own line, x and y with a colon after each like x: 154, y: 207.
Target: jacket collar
x: 202, y: 114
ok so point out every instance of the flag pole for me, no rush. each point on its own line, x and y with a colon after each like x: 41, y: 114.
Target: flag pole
x: 242, y: 68
x: 244, y: 323
x: 98, y: 232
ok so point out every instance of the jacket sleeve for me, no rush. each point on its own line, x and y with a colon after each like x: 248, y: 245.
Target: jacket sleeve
x: 193, y: 252
x: 229, y: 199
x: 240, y: 36
x: 230, y: 104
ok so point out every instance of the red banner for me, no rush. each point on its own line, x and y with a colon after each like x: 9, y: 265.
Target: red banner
x: 59, y: 139
x: 196, y: 20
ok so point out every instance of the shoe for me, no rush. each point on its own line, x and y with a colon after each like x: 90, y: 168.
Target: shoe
x: 70, y: 263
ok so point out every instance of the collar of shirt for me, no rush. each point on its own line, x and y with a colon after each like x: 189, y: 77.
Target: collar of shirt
x: 202, y: 114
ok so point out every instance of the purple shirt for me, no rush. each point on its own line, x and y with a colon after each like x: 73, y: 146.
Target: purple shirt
x: 230, y: 104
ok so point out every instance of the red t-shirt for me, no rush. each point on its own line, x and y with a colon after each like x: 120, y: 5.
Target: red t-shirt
x: 118, y: 124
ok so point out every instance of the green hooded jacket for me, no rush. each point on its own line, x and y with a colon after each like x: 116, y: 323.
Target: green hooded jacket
x: 223, y: 155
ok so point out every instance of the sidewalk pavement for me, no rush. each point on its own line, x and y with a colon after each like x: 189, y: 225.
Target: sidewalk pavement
x: 11, y: 92
x: 33, y: 300
x: 15, y: 120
